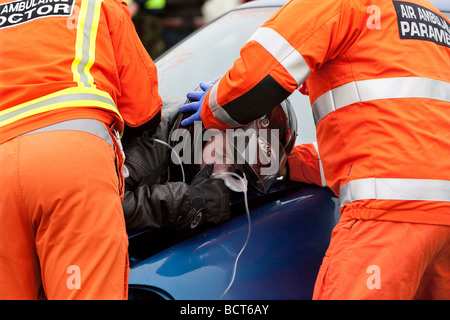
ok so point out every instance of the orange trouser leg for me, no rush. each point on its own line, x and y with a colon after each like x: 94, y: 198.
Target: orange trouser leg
x: 62, y: 230
x: 385, y: 260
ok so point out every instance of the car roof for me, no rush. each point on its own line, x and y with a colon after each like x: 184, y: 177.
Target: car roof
x: 443, y: 5
x: 263, y: 3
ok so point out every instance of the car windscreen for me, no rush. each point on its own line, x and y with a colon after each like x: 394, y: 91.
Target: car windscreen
x: 210, y: 52
x: 207, y: 54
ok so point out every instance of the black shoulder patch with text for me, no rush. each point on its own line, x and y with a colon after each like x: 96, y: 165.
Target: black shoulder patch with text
x: 417, y: 22
x: 22, y: 11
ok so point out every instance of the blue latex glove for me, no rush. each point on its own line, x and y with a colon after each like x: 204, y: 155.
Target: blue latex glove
x: 197, y: 98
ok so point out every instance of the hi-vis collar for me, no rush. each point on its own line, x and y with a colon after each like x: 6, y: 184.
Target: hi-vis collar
x: 22, y: 11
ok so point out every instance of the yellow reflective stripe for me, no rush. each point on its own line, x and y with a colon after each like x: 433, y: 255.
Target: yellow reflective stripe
x: 87, y: 28
x: 71, y: 97
x: 79, y: 42
x: 92, y: 39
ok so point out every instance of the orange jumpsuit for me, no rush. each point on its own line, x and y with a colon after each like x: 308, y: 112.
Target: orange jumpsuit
x: 72, y: 74
x: 377, y: 73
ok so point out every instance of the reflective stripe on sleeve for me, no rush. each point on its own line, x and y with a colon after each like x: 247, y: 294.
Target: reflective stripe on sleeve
x: 218, y: 111
x: 395, y: 189
x: 71, y: 97
x: 283, y: 52
x: 376, y: 89
x: 287, y: 56
x: 254, y: 103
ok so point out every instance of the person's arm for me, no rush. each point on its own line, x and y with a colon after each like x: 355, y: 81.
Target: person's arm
x: 156, y: 206
x: 305, y: 165
x: 300, y: 38
x: 139, y: 102
x: 205, y: 200
x: 152, y: 202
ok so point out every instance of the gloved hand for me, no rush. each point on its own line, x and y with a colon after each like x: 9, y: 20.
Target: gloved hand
x: 197, y: 98
x: 210, y: 200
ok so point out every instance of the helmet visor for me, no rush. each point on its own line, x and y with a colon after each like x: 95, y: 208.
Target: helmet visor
x: 258, y: 152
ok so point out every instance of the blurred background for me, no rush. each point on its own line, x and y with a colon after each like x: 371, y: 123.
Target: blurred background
x: 162, y: 23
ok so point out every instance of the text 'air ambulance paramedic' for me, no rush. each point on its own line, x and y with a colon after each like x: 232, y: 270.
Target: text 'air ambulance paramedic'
x: 380, y: 97
x: 73, y: 74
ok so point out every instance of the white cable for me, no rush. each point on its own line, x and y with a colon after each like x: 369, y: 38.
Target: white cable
x: 245, y: 184
x: 244, y: 190
x: 176, y: 155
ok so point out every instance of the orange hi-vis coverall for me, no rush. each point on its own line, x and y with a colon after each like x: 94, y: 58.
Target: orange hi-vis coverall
x: 73, y: 73
x: 377, y: 74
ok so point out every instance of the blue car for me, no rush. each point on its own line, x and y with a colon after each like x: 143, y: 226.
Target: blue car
x: 272, y: 253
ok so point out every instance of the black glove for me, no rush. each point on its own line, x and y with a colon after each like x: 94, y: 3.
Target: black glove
x: 210, y: 200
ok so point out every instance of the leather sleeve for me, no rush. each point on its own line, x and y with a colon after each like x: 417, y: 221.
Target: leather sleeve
x: 150, y: 201
x: 146, y: 160
x: 156, y: 206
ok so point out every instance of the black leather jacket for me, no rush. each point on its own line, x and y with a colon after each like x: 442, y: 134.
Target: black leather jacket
x: 150, y: 201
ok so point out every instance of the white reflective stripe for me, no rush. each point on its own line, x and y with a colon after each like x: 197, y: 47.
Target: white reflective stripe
x: 322, y: 175
x: 395, y: 189
x: 91, y: 126
x: 283, y: 52
x: 213, y: 104
x: 376, y: 89
x: 223, y: 116
x: 218, y: 111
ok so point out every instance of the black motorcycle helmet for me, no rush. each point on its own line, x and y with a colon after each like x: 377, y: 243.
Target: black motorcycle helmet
x: 258, y: 149
x: 274, y: 135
